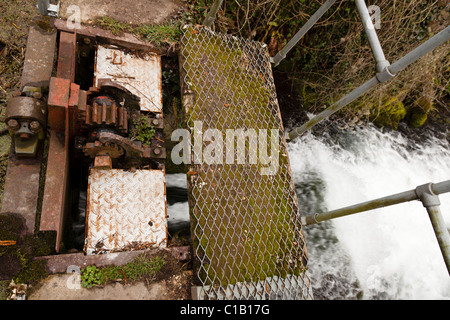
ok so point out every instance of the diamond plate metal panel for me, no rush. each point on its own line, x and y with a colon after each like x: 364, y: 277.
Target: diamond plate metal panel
x: 125, y: 210
x: 139, y: 73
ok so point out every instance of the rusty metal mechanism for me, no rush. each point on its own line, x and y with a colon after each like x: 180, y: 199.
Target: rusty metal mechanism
x: 93, y: 111
x: 106, y: 120
x: 26, y: 118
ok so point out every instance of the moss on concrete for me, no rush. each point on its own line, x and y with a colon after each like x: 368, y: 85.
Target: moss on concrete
x: 418, y: 114
x: 390, y: 113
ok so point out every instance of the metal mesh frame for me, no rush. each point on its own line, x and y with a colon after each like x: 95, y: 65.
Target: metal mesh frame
x: 247, y: 236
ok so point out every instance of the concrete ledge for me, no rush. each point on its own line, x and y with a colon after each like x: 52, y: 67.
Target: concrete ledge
x: 124, y: 39
x: 128, y: 11
x: 60, y: 263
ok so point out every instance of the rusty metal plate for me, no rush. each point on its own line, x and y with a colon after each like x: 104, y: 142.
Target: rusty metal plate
x: 125, y: 211
x: 139, y: 73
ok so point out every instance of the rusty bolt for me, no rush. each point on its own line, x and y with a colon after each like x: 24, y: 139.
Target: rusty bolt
x: 156, y: 151
x: 35, y: 126
x: 37, y: 95
x: 13, y: 124
x: 155, y: 122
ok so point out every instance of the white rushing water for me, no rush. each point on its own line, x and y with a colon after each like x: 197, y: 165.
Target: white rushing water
x: 389, y: 253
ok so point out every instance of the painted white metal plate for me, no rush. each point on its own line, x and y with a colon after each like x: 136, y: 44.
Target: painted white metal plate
x: 125, y: 211
x: 139, y: 73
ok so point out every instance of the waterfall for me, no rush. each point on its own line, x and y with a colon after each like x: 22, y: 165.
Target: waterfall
x: 389, y: 253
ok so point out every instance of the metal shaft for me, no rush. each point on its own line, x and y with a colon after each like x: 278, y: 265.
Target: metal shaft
x: 48, y: 9
x: 314, y: 18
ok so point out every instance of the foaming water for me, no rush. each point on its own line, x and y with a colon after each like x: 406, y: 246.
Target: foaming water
x: 389, y: 253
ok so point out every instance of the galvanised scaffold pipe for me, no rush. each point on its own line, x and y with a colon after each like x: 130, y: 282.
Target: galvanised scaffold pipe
x: 372, y: 37
x: 314, y: 18
x: 436, y: 188
x: 427, y: 194
x: 47, y: 9
x: 381, y: 77
x: 430, y: 201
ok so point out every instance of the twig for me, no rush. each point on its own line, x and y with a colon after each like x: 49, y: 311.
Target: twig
x: 6, y: 92
x: 124, y: 276
x: 7, y: 242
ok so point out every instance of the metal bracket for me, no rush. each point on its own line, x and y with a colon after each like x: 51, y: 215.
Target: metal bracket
x: 48, y: 9
x: 385, y: 75
x: 427, y: 196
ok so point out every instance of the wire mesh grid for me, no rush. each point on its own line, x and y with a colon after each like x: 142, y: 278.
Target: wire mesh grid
x: 247, y: 236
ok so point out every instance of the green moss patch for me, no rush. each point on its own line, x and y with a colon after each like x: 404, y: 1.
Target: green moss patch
x: 145, y: 266
x: 389, y: 114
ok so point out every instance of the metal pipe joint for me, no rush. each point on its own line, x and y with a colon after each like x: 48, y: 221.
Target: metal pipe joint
x: 48, y: 9
x: 427, y: 196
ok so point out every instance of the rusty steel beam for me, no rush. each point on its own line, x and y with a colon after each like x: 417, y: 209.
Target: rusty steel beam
x: 58, y: 103
x: 55, y: 191
x: 66, y: 55
x: 56, y: 180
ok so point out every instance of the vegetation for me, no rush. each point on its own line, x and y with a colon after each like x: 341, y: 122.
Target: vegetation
x: 144, y: 266
x: 164, y: 35
x: 334, y: 57
x: 142, y: 131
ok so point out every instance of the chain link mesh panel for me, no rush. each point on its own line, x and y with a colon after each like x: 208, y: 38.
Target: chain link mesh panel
x: 245, y: 225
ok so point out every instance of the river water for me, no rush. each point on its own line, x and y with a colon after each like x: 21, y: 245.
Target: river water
x: 389, y: 253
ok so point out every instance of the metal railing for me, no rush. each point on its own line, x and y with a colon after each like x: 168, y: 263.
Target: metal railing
x: 385, y: 71
x: 381, y: 77
x: 428, y: 194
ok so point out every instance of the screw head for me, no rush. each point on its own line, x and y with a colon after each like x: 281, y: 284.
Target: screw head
x: 13, y: 124
x: 37, y: 95
x: 35, y: 126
